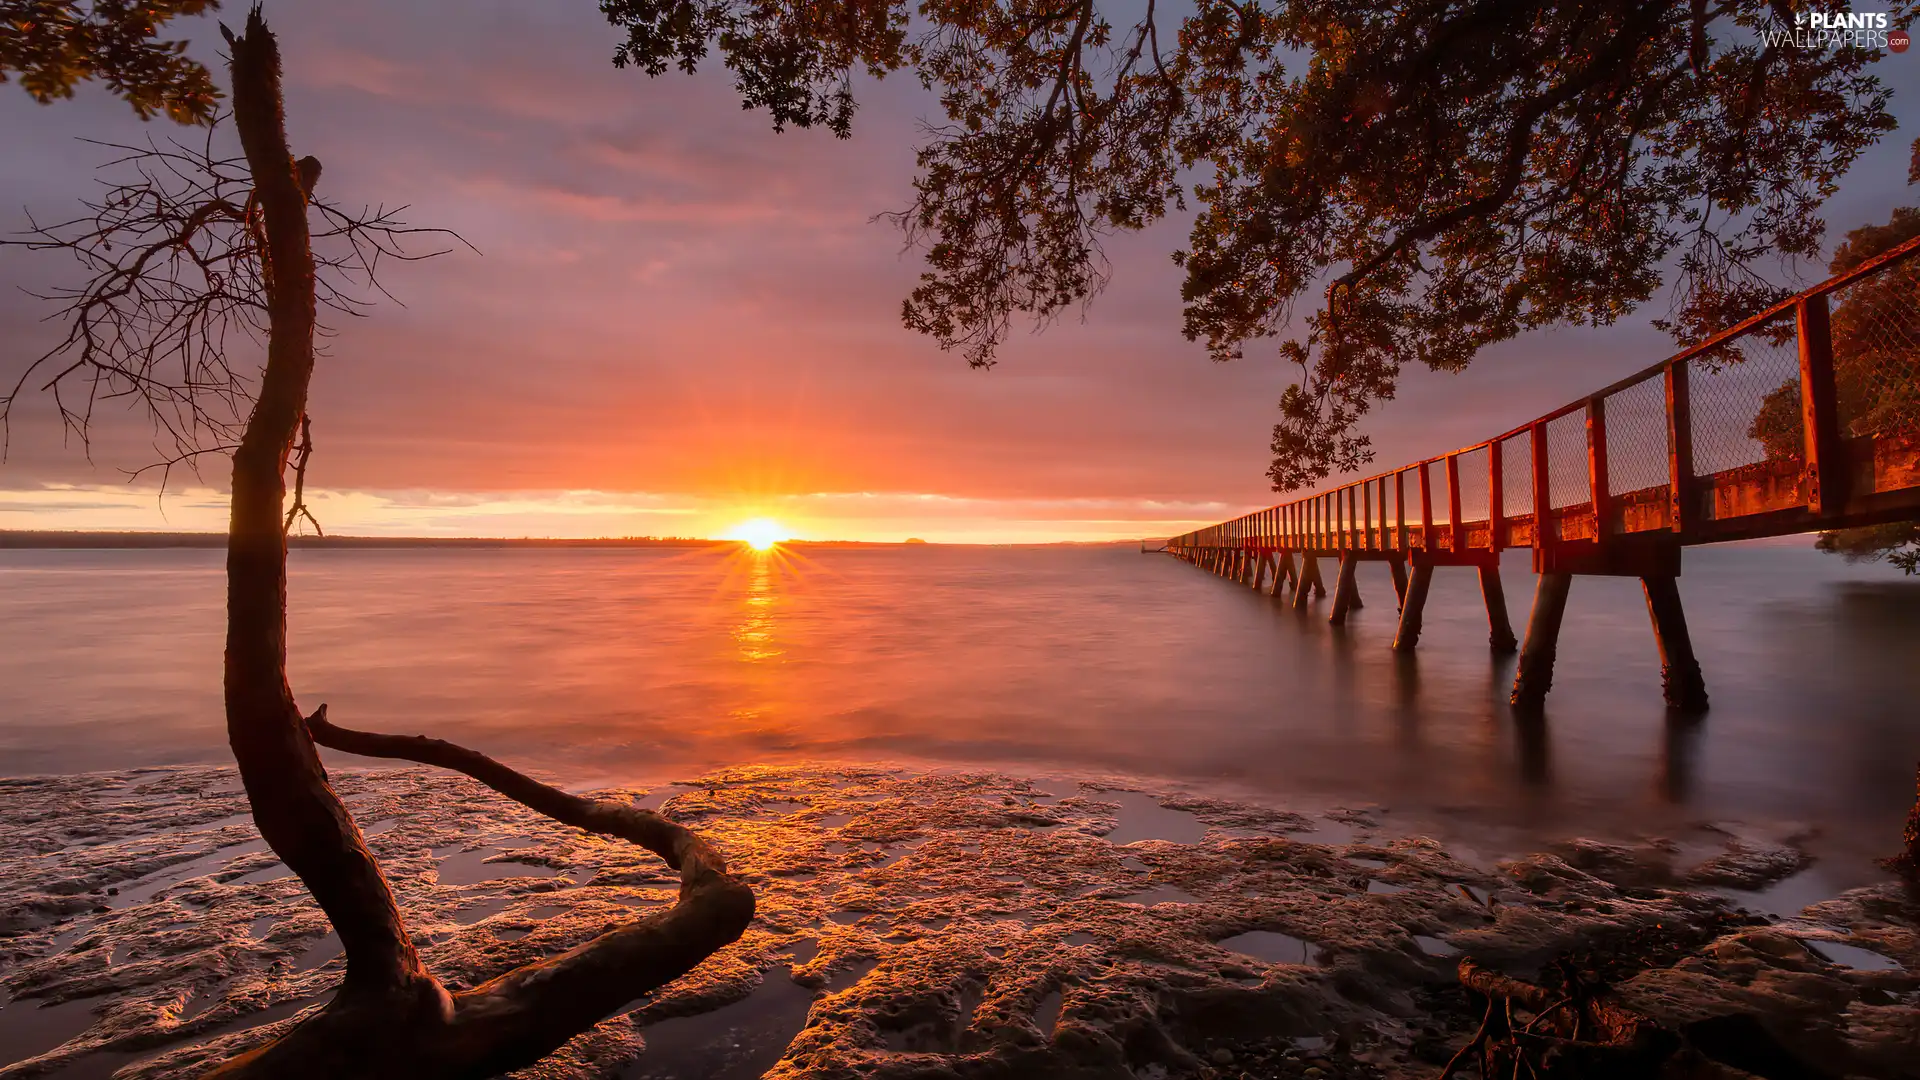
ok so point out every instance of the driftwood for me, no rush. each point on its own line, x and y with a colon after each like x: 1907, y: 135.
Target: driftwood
x: 1579, y: 1032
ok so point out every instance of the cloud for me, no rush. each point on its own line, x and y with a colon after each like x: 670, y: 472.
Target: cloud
x: 675, y: 299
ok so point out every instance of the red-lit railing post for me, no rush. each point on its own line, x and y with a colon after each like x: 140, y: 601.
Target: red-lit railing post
x: 1455, y: 526
x: 1819, y: 416
x: 1426, y: 508
x: 1542, y: 495
x: 1402, y: 541
x: 1597, y: 465
x: 1496, y: 484
x: 1380, y: 492
x: 1679, y: 448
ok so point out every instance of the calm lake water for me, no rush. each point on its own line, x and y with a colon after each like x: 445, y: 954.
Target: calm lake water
x: 656, y: 664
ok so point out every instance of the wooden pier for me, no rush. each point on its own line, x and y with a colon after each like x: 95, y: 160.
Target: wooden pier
x: 1803, y: 418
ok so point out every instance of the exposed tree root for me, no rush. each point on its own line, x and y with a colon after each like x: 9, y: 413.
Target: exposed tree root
x: 1577, y: 1032
x: 422, y: 1030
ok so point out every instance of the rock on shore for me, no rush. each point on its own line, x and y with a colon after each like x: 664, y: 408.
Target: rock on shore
x: 918, y: 925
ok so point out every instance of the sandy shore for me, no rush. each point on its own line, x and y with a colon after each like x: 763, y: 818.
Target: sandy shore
x: 922, y: 925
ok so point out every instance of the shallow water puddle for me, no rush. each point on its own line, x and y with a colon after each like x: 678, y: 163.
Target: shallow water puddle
x: 272, y: 872
x: 1852, y: 956
x: 1161, y: 894
x: 803, y: 950
x: 735, y: 1042
x: 467, y: 916
x: 541, y: 913
x: 1047, y: 1013
x: 895, y: 853
x: 1433, y: 946
x: 1362, y: 860
x: 245, y: 817
x: 652, y: 800
x: 1334, y: 832
x: 1788, y: 897
x: 145, y: 889
x: 318, y: 954
x: 28, y: 1029
x: 852, y: 973
x: 472, y: 867
x: 1142, y: 817
x: 1270, y: 946
x: 1381, y: 888
x: 103, y: 1065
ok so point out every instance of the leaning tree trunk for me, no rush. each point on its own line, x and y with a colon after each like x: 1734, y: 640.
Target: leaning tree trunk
x: 390, y: 1017
x: 298, y: 813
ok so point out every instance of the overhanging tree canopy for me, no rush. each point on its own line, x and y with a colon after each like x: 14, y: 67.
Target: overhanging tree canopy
x: 52, y: 45
x: 1436, y: 176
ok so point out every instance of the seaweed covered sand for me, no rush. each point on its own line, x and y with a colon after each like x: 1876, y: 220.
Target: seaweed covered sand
x: 920, y: 925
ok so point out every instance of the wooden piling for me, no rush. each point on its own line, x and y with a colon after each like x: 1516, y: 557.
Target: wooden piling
x: 1284, y: 573
x: 1309, y: 577
x: 1499, y: 630
x: 1680, y: 680
x: 1535, y: 677
x: 1412, y: 607
x: 1398, y: 564
x: 1343, y: 589
x: 1259, y: 570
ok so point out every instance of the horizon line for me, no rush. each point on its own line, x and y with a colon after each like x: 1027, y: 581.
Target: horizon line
x: 155, y: 538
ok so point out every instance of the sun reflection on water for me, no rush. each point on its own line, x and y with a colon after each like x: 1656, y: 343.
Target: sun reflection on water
x: 755, y: 632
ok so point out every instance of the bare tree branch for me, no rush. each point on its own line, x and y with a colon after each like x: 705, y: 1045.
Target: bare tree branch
x: 175, y: 292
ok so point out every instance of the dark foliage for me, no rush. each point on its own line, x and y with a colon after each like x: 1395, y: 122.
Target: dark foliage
x: 1451, y: 174
x: 53, y: 45
x: 1876, y: 371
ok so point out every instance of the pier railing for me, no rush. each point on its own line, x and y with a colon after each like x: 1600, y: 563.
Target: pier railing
x: 1804, y: 417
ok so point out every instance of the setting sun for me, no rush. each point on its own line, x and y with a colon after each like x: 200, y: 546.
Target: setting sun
x: 758, y: 534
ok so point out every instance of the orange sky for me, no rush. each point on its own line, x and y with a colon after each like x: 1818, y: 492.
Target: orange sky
x: 681, y: 320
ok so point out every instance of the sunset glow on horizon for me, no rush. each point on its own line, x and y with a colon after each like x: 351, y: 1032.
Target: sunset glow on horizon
x: 682, y: 319
x: 760, y: 534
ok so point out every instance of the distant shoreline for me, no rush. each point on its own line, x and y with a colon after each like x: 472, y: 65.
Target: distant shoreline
x: 55, y: 539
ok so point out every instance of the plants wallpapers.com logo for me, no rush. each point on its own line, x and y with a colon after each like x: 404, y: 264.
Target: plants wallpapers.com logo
x: 1839, y: 30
